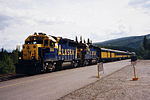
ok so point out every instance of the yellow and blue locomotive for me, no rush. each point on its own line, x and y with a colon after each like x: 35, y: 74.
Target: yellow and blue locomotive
x: 45, y: 53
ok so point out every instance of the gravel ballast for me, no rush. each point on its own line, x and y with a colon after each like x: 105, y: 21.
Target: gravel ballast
x: 118, y: 85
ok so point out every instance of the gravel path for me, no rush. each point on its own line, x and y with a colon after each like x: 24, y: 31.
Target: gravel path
x: 117, y: 86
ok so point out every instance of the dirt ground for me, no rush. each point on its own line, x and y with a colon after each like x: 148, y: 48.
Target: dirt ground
x: 118, y: 85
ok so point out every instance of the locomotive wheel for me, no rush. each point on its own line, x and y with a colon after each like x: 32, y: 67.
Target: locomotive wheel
x: 74, y: 64
x: 86, y: 63
x: 82, y: 63
x: 50, y: 67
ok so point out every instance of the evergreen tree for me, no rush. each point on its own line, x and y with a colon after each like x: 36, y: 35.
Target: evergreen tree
x: 15, y: 56
x: 6, y: 63
x: 145, y: 43
x: 146, y: 52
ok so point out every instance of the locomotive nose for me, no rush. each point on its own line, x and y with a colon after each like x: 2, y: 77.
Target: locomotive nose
x: 30, y: 52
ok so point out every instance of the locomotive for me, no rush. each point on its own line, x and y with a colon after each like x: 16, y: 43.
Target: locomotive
x: 46, y: 53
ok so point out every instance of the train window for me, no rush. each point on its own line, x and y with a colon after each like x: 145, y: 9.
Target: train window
x: 39, y: 38
x: 27, y: 42
x: 46, y: 42
x: 40, y: 42
x: 31, y: 38
x: 34, y: 42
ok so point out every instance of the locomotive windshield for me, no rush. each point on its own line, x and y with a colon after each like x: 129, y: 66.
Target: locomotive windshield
x: 35, y: 40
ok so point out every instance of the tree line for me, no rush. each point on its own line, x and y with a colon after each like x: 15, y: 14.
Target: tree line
x: 8, y: 61
x: 145, y: 49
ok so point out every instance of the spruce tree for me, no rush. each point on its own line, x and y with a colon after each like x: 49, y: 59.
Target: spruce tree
x: 145, y: 43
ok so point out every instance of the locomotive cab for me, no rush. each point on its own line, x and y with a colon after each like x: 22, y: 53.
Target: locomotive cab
x: 34, y: 44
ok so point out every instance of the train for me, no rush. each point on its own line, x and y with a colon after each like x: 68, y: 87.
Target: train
x: 47, y: 53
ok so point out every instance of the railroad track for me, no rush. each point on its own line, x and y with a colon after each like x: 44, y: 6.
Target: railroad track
x: 5, y: 77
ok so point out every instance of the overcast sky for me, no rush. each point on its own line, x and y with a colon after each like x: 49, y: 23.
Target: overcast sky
x: 99, y: 20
